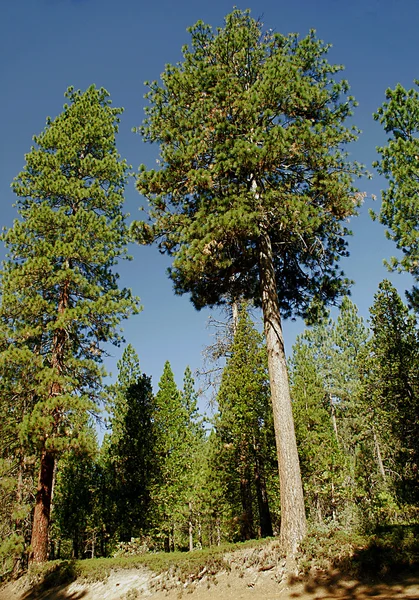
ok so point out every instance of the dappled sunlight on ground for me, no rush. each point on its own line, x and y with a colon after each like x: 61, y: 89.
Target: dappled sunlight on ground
x: 252, y: 584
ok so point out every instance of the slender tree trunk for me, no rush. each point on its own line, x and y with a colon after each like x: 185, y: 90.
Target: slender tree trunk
x: 333, y: 413
x: 17, y: 567
x: 319, y: 509
x: 39, y: 541
x: 199, y: 531
x: 247, y: 530
x: 172, y: 539
x: 102, y: 541
x: 19, y: 493
x: 293, y: 519
x: 235, y: 315
x: 379, y: 457
x: 190, y: 528
x: 51, y: 511
x: 76, y: 544
x: 218, y: 526
x: 265, y: 521
x: 333, y: 501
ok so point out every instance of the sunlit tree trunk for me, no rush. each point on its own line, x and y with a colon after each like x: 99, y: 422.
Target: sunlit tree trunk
x: 379, y: 457
x: 293, y: 519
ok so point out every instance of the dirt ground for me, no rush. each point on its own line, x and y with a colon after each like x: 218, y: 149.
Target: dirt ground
x: 137, y: 584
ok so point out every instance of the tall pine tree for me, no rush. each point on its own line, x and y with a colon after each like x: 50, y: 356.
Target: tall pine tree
x: 169, y: 487
x: 322, y: 462
x: 254, y: 190
x: 131, y: 446
x: 60, y: 297
x: 195, y: 442
x: 391, y: 386
x: 244, y: 425
x: 329, y: 410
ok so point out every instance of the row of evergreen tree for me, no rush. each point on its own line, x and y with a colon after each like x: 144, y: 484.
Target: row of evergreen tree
x: 356, y: 401
x: 169, y: 478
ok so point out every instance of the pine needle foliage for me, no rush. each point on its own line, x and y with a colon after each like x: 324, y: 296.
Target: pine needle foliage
x: 170, y: 490
x: 391, y: 385
x: 399, y: 164
x: 245, y: 431
x: 60, y: 297
x: 254, y: 190
x: 131, y: 446
x: 251, y: 130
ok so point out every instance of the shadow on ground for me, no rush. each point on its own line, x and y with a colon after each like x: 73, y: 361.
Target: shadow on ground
x: 332, y: 586
x: 59, y: 593
x: 386, y: 568
x: 53, y: 585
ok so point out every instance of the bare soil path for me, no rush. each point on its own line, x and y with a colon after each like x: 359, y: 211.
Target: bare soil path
x: 135, y: 584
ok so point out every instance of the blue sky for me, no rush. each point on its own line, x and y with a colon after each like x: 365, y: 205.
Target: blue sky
x: 48, y: 45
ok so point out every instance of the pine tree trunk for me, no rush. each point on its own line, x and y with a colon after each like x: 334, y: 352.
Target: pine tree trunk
x: 319, y: 509
x: 333, y: 501
x: 76, y: 544
x: 17, y: 567
x: 235, y: 315
x: 19, y: 493
x: 102, y: 541
x: 379, y: 457
x: 247, y: 531
x: 190, y: 528
x: 293, y: 519
x: 334, y: 422
x: 51, y: 510
x: 172, y: 539
x: 265, y: 521
x: 218, y: 526
x: 41, y: 518
x: 199, y: 531
x: 39, y: 541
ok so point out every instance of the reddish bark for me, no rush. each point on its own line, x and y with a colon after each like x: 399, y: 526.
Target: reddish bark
x: 39, y: 541
x: 41, y: 517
